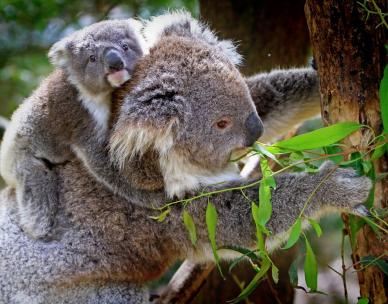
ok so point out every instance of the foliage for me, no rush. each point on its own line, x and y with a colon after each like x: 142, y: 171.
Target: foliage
x: 28, y: 28
x: 301, y: 153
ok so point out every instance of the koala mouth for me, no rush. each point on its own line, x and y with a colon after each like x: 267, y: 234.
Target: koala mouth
x: 117, y: 78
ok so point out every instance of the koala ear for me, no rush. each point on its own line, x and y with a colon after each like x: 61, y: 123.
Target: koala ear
x: 149, y: 118
x: 59, y: 53
x: 181, y: 23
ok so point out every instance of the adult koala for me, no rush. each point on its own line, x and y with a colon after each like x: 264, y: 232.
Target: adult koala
x: 177, y: 122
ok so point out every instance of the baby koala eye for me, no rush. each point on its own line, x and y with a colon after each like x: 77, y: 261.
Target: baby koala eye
x: 92, y: 58
x: 125, y: 46
x: 223, y: 123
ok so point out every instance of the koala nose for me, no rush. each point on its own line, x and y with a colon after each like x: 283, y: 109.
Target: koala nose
x: 113, y: 60
x: 254, y: 128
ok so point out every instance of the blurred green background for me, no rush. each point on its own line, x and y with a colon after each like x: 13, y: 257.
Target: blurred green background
x: 28, y: 28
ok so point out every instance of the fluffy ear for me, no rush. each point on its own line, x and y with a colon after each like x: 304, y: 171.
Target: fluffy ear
x: 149, y: 118
x: 181, y: 23
x: 59, y: 53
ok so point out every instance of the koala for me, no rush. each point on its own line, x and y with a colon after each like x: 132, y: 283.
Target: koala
x: 72, y: 104
x: 174, y: 127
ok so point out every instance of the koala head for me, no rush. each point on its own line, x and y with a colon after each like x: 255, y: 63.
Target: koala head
x: 189, y: 103
x: 101, y: 56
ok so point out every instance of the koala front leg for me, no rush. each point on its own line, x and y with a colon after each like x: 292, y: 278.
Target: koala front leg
x: 284, y: 98
x: 334, y: 188
x: 94, y: 154
x: 37, y: 195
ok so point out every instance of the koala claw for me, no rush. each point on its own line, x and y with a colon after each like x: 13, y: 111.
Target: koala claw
x: 344, y: 188
x: 361, y: 210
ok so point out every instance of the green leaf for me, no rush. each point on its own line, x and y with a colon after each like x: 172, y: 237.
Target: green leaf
x: 310, y: 268
x: 334, y: 149
x: 379, y: 152
x: 363, y: 301
x: 296, y: 230
x: 162, y: 216
x: 319, y: 138
x: 255, y: 281
x: 265, y: 207
x: 293, y: 273
x: 267, y: 173
x: 315, y: 226
x: 379, y: 262
x: 355, y: 224
x: 261, y: 149
x: 245, y: 254
x: 383, y: 94
x: 190, y: 226
x: 211, y: 223
x: 275, y: 274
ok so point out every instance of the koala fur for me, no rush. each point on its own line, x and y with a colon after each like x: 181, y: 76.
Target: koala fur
x: 107, y: 247
x: 72, y: 104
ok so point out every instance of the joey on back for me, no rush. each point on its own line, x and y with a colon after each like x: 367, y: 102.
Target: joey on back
x: 68, y: 113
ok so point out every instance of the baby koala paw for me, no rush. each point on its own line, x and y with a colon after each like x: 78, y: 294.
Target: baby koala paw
x: 343, y: 188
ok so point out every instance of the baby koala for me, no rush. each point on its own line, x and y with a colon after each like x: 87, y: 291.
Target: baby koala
x: 68, y: 114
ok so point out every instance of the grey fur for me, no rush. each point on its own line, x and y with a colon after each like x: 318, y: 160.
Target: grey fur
x: 70, y: 106
x: 284, y: 98
x: 108, y: 247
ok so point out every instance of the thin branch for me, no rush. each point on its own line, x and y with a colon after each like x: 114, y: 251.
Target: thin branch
x: 343, y: 276
x: 186, y: 283
x: 4, y: 122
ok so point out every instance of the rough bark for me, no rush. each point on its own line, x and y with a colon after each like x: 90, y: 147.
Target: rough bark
x: 350, y: 55
x: 270, y: 33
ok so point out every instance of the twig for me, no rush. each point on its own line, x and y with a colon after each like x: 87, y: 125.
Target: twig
x: 343, y: 276
x: 186, y: 283
x: 4, y: 122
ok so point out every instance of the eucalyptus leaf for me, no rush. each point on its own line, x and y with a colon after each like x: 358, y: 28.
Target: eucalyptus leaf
x: 162, y: 216
x: 363, y: 301
x: 310, y: 268
x: 254, y: 283
x: 190, y: 226
x: 275, y: 273
x: 319, y: 138
x: 296, y: 230
x: 211, y: 223
x: 383, y: 94
x: 316, y: 226
x: 261, y: 149
x: 379, y: 262
x: 265, y: 206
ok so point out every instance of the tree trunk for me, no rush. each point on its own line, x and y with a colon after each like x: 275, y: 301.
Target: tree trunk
x: 269, y: 33
x: 350, y: 55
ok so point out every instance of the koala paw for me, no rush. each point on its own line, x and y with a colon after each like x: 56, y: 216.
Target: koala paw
x: 343, y: 188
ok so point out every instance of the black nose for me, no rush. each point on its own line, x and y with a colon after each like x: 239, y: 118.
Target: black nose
x: 254, y: 128
x: 113, y: 60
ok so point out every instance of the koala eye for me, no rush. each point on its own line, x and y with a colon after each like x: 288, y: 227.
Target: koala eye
x: 125, y: 46
x: 92, y: 58
x: 223, y: 123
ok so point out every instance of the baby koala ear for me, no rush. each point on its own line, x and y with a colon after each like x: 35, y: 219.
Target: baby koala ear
x: 59, y: 53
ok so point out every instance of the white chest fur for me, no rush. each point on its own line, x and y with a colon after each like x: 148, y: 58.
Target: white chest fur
x: 99, y: 107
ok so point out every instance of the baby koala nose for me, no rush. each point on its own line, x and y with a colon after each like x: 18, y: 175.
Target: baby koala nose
x: 113, y: 60
x: 254, y: 127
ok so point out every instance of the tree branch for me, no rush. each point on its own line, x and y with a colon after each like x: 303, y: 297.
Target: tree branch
x: 186, y: 283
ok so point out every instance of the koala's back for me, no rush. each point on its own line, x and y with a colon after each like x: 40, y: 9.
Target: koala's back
x: 43, y: 124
